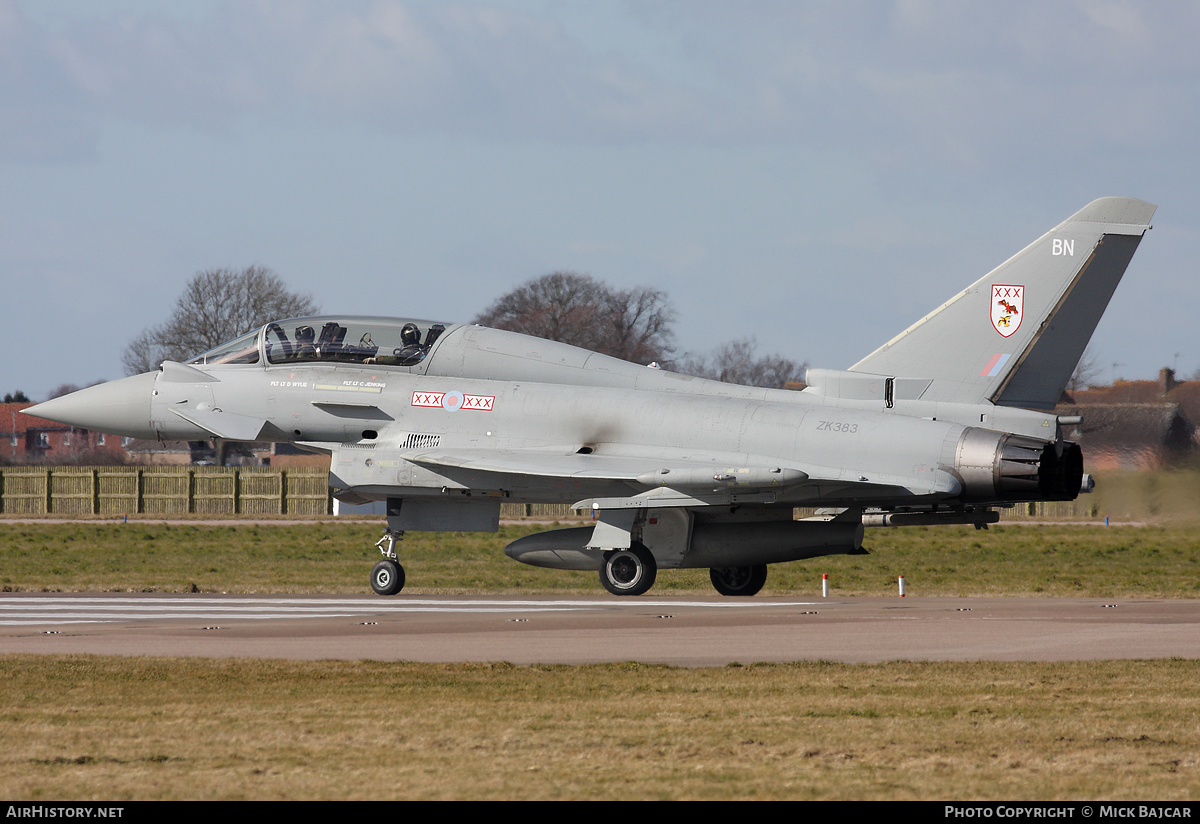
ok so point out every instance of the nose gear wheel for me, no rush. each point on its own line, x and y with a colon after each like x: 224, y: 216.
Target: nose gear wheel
x: 387, y: 578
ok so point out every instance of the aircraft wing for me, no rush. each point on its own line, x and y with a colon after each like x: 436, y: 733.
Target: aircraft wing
x: 649, y: 471
x: 675, y: 480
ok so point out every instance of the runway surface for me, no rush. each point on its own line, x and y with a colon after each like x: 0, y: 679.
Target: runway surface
x: 684, y: 631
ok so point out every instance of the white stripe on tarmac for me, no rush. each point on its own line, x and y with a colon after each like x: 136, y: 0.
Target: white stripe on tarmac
x: 50, y: 609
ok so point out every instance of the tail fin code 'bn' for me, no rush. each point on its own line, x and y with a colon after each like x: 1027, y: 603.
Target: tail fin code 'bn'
x: 1014, y: 336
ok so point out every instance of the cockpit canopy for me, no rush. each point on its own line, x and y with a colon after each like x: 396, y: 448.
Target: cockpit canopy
x: 363, y: 340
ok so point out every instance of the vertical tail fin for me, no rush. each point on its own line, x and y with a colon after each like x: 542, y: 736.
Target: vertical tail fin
x: 1014, y: 336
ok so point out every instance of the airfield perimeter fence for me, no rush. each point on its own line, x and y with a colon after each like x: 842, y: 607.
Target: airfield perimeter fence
x: 228, y: 490
x: 163, y: 490
x: 185, y: 490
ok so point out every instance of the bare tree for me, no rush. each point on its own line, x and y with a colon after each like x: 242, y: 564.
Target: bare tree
x: 736, y: 362
x: 217, y: 305
x: 633, y: 325
x: 1086, y: 371
x: 641, y: 322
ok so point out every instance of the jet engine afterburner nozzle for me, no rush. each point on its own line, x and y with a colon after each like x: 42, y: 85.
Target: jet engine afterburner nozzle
x: 1000, y: 467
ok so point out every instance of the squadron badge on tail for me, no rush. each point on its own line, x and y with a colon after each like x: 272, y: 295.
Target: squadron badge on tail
x: 1007, y: 302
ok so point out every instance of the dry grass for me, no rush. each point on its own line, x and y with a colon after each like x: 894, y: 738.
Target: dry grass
x: 111, y: 729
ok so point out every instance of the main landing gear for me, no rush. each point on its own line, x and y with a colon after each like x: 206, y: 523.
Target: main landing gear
x: 632, y: 572
x: 747, y: 580
x: 387, y: 578
x: 628, y: 571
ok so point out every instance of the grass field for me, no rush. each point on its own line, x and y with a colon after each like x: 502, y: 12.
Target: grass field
x: 113, y: 729
x: 1160, y: 561
x: 108, y: 729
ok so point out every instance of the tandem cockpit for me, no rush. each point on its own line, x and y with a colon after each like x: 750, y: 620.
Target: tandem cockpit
x: 333, y: 340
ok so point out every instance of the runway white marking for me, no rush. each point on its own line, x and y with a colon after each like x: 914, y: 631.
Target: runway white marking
x: 40, y: 610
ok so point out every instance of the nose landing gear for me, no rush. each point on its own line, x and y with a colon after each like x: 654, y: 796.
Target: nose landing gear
x: 387, y: 578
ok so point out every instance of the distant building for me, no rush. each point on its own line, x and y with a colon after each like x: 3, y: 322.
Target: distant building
x: 25, y: 439
x: 1136, y: 425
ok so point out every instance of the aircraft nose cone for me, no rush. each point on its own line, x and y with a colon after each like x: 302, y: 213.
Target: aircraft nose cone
x: 120, y: 407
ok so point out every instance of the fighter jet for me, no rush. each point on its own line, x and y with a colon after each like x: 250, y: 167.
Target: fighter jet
x: 946, y: 423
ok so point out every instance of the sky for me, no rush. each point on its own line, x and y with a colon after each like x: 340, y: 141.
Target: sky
x: 817, y: 175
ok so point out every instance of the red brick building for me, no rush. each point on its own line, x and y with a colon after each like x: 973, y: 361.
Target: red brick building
x: 1136, y: 425
x: 26, y: 439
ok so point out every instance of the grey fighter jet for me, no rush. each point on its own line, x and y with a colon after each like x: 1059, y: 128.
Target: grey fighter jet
x: 943, y: 424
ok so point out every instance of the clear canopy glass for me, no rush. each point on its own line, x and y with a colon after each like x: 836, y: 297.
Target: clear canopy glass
x: 369, y: 341
x: 384, y: 341
x: 243, y: 349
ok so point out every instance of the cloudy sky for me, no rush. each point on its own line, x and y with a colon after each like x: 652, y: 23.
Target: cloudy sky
x: 817, y: 175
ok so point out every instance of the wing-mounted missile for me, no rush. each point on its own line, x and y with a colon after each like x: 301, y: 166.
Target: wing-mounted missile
x: 737, y: 477
x: 665, y: 497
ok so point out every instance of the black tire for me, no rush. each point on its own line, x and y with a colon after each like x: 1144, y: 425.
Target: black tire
x: 628, y: 571
x: 747, y: 580
x: 387, y: 578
